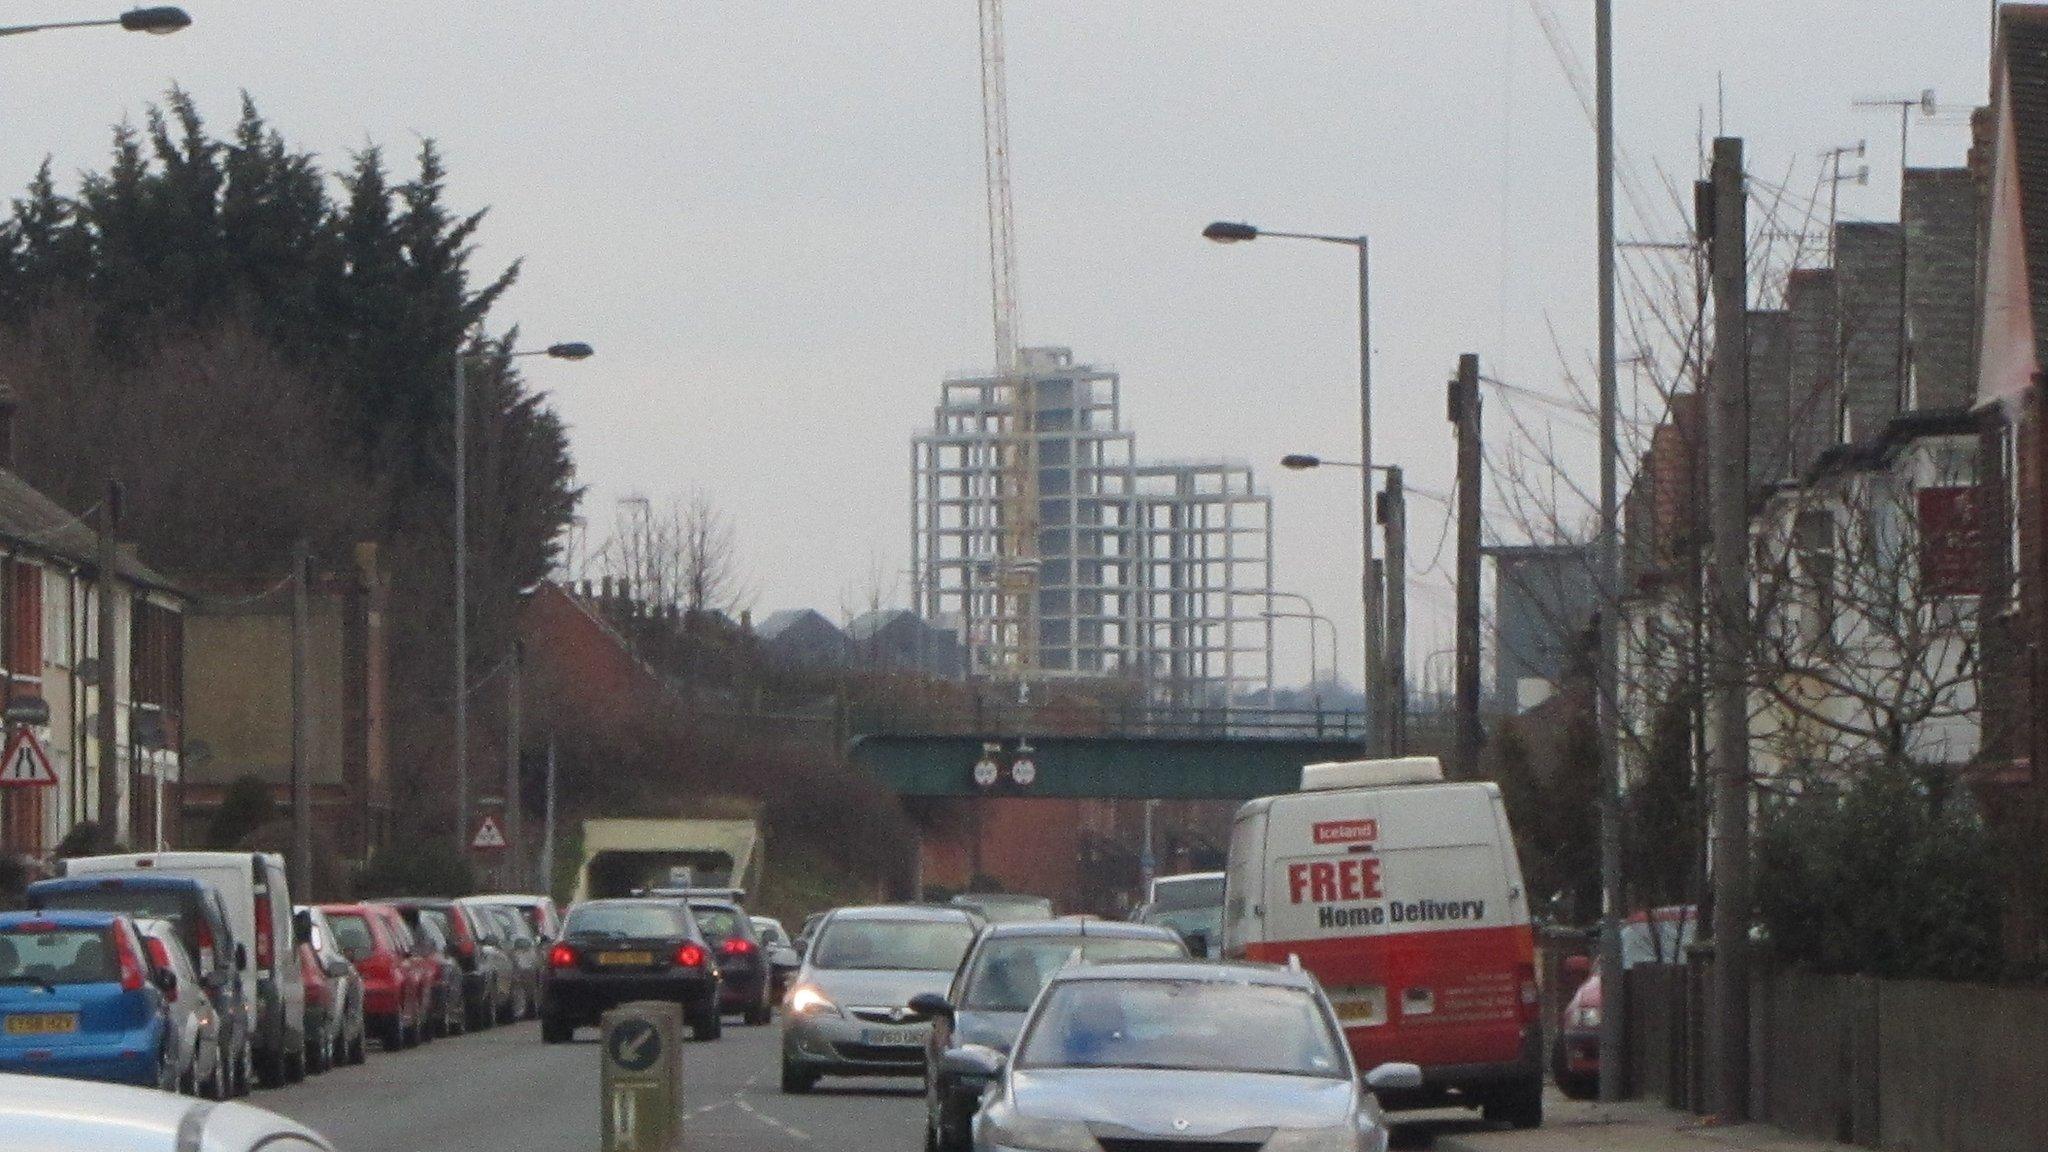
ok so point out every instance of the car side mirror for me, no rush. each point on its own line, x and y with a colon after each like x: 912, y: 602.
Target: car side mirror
x: 931, y: 1006
x: 1577, y: 969
x: 1393, y: 1077
x: 166, y: 982
x: 336, y: 969
x: 982, y: 1062
x: 785, y: 958
x: 241, y: 957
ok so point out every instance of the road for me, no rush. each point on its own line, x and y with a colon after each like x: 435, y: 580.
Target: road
x: 504, y: 1089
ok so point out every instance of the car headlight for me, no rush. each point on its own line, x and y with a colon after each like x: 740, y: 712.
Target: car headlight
x: 1588, y: 1017
x: 808, y: 1001
x: 1342, y: 1138
x: 1008, y: 1128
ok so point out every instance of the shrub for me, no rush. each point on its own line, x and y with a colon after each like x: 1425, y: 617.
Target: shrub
x: 246, y: 806
x: 416, y: 868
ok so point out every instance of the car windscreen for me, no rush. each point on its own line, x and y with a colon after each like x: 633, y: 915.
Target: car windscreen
x: 1008, y: 973
x: 1183, y: 1025
x: 1174, y: 895
x: 638, y: 921
x: 718, y: 923
x: 897, y: 945
x: 179, y: 907
x: 439, y: 919
x: 352, y: 935
x: 57, y: 955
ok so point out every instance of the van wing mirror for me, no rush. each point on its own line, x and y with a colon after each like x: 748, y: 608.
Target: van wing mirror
x: 975, y: 1061
x: 1394, y: 1077
x: 931, y: 1006
x: 241, y: 957
x: 166, y: 982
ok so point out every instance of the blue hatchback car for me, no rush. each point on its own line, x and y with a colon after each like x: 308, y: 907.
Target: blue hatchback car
x: 79, y: 998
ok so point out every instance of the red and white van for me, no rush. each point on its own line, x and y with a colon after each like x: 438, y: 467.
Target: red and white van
x: 1401, y: 892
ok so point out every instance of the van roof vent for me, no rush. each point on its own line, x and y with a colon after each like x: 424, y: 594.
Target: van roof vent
x: 1371, y: 773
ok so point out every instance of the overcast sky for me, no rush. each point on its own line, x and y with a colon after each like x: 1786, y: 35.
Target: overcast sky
x: 768, y: 217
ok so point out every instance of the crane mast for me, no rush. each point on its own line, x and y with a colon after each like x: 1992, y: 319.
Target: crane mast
x: 1015, y: 621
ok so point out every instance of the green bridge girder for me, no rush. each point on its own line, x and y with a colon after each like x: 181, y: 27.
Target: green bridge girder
x: 1111, y: 767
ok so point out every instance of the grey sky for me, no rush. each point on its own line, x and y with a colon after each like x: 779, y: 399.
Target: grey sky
x: 768, y: 216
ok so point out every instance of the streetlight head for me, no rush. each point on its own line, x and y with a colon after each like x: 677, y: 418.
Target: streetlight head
x: 1301, y: 463
x: 1224, y: 232
x: 156, y: 21
x: 572, y: 351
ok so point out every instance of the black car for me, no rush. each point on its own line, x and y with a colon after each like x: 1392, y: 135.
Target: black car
x: 612, y: 952
x: 998, y: 979
x: 747, y: 984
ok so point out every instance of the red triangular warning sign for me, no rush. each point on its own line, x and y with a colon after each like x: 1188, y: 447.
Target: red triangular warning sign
x: 488, y: 834
x: 26, y: 764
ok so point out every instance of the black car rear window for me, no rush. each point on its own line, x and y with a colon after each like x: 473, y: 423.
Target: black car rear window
x: 630, y: 920
x: 179, y: 906
x: 718, y: 922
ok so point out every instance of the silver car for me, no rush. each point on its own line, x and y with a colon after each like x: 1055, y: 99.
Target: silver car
x: 89, y: 1117
x: 202, y: 1069
x: 848, y: 1009
x: 1165, y: 1054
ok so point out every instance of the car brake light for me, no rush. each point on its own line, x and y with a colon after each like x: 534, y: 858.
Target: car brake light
x: 737, y: 947
x: 690, y: 956
x: 561, y: 956
x: 158, y: 954
x: 266, y: 945
x: 131, y: 965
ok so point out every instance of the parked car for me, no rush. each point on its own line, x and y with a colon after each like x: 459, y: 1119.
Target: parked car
x: 615, y: 951
x: 1575, y: 1055
x: 79, y: 1000
x: 486, y: 968
x: 109, y: 1118
x: 395, y: 982
x: 998, y: 907
x: 1180, y: 1055
x: 809, y: 930
x: 200, y: 914
x: 783, y: 958
x: 543, y: 919
x: 336, y: 1032
x: 258, y: 900
x: 848, y: 1013
x: 194, y: 1028
x: 522, y: 948
x: 992, y: 990
x: 446, y: 1015
x: 745, y: 985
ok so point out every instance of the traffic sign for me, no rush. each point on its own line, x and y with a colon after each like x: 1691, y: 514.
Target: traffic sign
x: 489, y: 837
x: 26, y: 764
x: 1024, y: 772
x: 987, y: 772
x: 634, y: 1044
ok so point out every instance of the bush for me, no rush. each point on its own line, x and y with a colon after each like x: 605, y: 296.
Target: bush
x: 1893, y: 876
x: 416, y: 868
x: 246, y: 806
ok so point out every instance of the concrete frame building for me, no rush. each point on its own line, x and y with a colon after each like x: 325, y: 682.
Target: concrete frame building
x: 1156, y: 572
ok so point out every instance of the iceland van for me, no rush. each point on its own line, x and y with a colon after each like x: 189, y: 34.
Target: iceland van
x: 1402, y: 893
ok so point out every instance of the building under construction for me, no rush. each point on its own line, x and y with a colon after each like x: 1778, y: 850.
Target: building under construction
x: 1159, y: 573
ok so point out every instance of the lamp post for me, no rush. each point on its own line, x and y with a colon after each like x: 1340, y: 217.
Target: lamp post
x: 571, y: 351
x: 1313, y: 618
x: 160, y: 21
x: 1224, y: 232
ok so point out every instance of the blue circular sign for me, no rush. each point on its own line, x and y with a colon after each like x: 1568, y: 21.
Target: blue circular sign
x: 634, y: 1045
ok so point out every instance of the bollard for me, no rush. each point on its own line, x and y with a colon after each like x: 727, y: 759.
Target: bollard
x: 642, y: 1081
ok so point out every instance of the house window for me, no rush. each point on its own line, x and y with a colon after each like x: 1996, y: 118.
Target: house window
x: 24, y: 622
x: 57, y: 618
x: 1814, y: 538
x: 1949, y: 557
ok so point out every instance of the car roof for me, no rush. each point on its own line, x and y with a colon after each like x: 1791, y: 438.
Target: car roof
x: 145, y: 880
x: 63, y: 918
x: 1208, y: 971
x: 931, y: 913
x: 1089, y: 929
x: 85, y: 1114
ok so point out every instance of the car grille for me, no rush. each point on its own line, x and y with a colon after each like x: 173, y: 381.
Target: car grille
x: 1141, y: 1144
x: 881, y: 1054
x: 882, y: 1016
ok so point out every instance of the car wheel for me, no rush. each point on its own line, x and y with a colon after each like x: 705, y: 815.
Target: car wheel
x: 761, y: 1013
x: 243, y: 1072
x: 796, y: 1081
x: 216, y: 1086
x: 707, y: 1026
x: 295, y: 1064
x: 358, y: 1048
x: 270, y: 1070
x: 553, y: 1031
x: 1518, y: 1107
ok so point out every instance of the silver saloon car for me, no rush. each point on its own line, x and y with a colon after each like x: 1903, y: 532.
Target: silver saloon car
x: 1148, y: 1055
x: 88, y: 1117
x: 847, y: 1013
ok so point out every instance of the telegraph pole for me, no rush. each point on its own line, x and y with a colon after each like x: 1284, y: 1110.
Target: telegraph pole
x: 1464, y: 412
x: 1613, y: 988
x: 1394, y: 515
x: 515, y: 842
x: 1728, y: 440
x: 302, y: 783
x: 547, y: 836
x: 108, y: 726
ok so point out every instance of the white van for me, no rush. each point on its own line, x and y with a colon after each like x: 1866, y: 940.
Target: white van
x: 260, y: 913
x: 1403, y: 895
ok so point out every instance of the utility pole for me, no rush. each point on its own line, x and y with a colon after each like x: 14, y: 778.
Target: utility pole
x: 1374, y: 687
x: 108, y: 719
x: 461, y: 755
x: 515, y: 841
x: 1614, y: 990
x: 1394, y: 516
x: 547, y: 836
x: 1464, y: 413
x: 302, y: 783
x: 1727, y: 438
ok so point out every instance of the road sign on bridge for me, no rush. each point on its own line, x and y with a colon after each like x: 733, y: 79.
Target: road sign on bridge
x: 1120, y: 767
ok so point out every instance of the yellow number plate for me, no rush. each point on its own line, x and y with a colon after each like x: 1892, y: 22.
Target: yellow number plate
x: 42, y: 1023
x: 626, y: 959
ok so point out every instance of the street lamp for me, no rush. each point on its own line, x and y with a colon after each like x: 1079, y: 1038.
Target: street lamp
x: 569, y: 351
x: 1227, y: 232
x: 156, y: 21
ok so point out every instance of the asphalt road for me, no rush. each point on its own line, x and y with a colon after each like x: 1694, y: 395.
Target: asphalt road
x: 505, y: 1090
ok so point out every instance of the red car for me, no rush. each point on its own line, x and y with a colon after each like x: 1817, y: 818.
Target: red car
x: 1575, y: 1061
x: 398, y: 983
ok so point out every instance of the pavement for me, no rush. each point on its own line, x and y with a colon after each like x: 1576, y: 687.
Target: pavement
x: 1632, y: 1126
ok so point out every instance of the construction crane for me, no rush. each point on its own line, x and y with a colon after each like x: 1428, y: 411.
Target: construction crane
x: 1015, y: 621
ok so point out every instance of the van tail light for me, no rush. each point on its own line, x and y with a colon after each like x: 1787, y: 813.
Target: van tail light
x: 1532, y: 998
x: 737, y: 947
x: 132, y: 976
x: 561, y: 956
x: 206, y: 941
x: 690, y: 956
x: 266, y: 935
